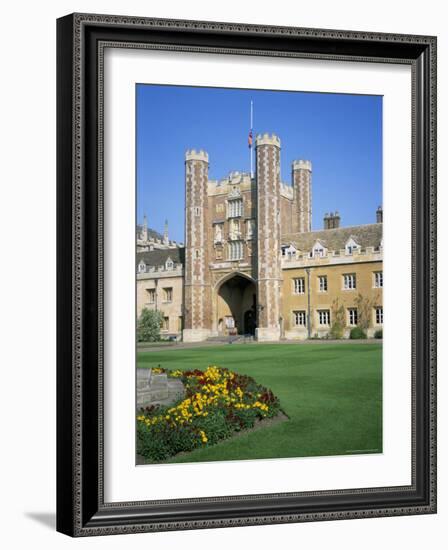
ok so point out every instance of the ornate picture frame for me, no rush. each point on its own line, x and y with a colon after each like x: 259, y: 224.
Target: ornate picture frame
x: 81, y: 506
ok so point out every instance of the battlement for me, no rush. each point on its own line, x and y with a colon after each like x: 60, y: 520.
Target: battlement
x: 286, y: 191
x: 224, y: 185
x: 341, y: 256
x: 301, y: 165
x: 157, y: 244
x: 192, y: 154
x: 267, y: 139
x: 158, y: 271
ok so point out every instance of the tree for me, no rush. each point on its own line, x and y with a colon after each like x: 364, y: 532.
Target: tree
x: 364, y: 306
x: 148, y: 325
x: 337, y: 319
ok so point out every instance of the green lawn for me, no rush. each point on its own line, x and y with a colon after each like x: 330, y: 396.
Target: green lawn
x: 332, y: 395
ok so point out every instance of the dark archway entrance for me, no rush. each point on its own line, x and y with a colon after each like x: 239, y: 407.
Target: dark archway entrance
x: 237, y: 306
x: 250, y: 322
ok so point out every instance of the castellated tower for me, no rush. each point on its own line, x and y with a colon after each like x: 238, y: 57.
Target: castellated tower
x: 301, y: 182
x: 268, y: 257
x: 197, y: 300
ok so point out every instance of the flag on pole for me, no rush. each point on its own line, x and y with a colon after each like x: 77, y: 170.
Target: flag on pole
x: 250, y: 139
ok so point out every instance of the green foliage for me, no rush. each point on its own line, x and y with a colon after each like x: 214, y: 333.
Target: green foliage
x: 217, y: 403
x: 357, y: 334
x: 337, y: 320
x: 305, y: 378
x: 216, y: 426
x: 379, y: 334
x: 245, y: 418
x: 159, y: 442
x: 364, y: 306
x: 148, y: 325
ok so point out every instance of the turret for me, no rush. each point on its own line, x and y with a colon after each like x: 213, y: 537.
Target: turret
x: 197, y: 314
x: 269, y: 236
x: 301, y: 182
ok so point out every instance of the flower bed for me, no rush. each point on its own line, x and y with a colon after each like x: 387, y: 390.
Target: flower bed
x: 217, y: 404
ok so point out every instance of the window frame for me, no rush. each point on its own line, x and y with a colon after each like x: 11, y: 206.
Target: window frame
x: 320, y: 278
x: 294, y: 285
x: 296, y: 314
x: 168, y: 299
x: 352, y: 311
x: 325, y: 312
x: 237, y: 246
x: 376, y: 309
x: 378, y: 274
x: 353, y: 287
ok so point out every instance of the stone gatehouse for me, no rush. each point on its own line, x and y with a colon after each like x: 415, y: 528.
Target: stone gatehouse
x: 251, y: 263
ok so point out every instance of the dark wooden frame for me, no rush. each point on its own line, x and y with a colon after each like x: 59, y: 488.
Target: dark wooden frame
x: 81, y: 510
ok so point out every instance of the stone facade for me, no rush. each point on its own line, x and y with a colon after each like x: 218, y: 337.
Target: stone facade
x: 247, y: 241
x: 160, y: 287
x: 316, y: 298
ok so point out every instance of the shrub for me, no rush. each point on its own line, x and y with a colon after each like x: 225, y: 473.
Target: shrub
x: 336, y: 331
x: 338, y: 320
x: 357, y: 334
x: 378, y: 334
x: 148, y: 325
x: 217, y: 403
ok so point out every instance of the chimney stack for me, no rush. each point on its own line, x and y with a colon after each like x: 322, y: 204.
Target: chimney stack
x: 332, y: 220
x: 379, y: 214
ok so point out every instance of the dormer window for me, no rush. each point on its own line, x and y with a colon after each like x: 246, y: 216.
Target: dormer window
x: 351, y: 245
x: 141, y: 267
x: 169, y: 264
x: 289, y: 252
x: 318, y: 250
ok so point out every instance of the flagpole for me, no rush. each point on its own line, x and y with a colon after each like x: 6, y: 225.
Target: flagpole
x: 251, y: 129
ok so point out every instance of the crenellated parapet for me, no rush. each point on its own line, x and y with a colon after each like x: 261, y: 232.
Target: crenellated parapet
x: 302, y: 165
x: 192, y: 154
x: 267, y: 139
x: 242, y: 180
x: 286, y: 191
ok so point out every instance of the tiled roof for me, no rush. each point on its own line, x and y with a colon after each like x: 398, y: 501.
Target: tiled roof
x: 335, y: 239
x: 158, y: 257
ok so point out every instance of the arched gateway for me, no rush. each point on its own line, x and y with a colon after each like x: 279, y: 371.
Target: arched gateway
x: 236, y: 305
x: 234, y: 227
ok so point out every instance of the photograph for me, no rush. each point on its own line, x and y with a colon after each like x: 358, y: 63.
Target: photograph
x: 258, y: 274
x: 231, y: 198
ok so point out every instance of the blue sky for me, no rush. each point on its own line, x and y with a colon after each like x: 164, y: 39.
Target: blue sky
x: 341, y: 135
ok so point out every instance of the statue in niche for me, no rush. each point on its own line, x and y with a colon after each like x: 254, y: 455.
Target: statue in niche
x: 218, y: 233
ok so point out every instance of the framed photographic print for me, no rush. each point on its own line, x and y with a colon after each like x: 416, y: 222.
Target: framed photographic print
x: 246, y: 274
